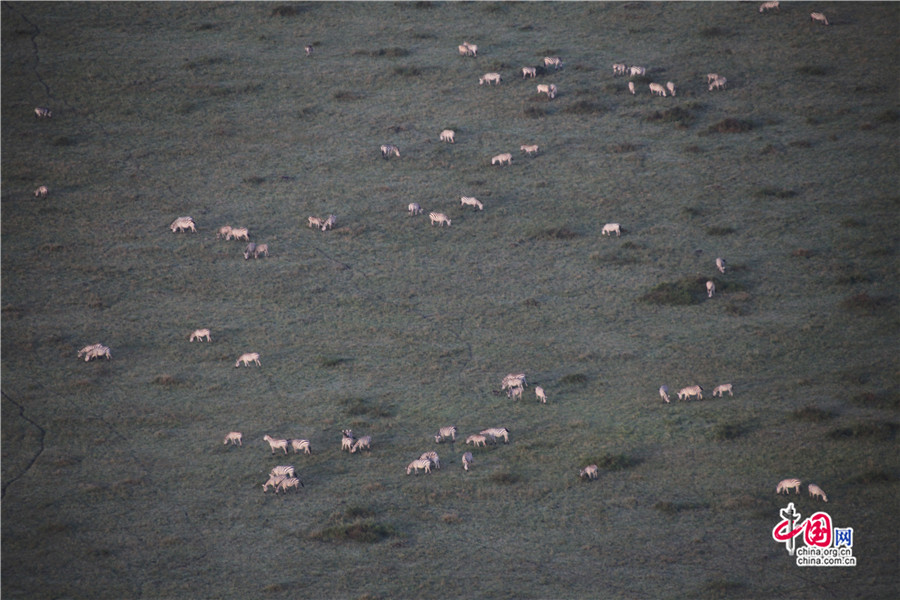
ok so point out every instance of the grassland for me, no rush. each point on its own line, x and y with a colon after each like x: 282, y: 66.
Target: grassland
x: 115, y: 481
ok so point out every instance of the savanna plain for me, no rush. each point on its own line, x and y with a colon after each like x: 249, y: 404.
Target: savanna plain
x: 115, y: 479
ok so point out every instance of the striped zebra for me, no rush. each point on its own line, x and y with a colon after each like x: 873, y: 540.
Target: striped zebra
x: 471, y: 49
x: 282, y: 471
x: 87, y: 349
x: 720, y: 264
x: 721, y: 389
x: 261, y: 249
x: 515, y: 392
x: 469, y: 201
x: 785, y: 486
x: 199, y: 334
x: 235, y: 437
x: 329, y: 223
x: 476, y: 439
x: 634, y: 71
x: 549, y: 89
x: 658, y: 89
x: 363, y: 443
x: 247, y: 358
x: 514, y: 380
x: 422, y: 463
x: 238, y: 233
x: 710, y: 288
x: 223, y: 231
x: 718, y: 83
x: 689, y: 392
x: 765, y: 6
x: 664, y: 393
x: 97, y: 352
x: 553, y: 61
x: 42, y: 113
x: 414, y: 209
x: 273, y: 481
x: 815, y: 491
x: 447, y: 135
x: 182, y: 223
x: 589, y: 472
x: 433, y: 457
x: 467, y: 460
x: 619, y: 69
x: 490, y: 79
x: 446, y: 432
x: 439, y: 218
x: 497, y: 432
x: 250, y: 249
x: 41, y: 192
x: 529, y: 149
x: 289, y: 482
x: 389, y: 149
x: 539, y: 393
x: 276, y: 444
x: 501, y: 159
x: 347, y: 441
x: 315, y: 222
x: 529, y: 72
x: 816, y: 16
x: 299, y: 445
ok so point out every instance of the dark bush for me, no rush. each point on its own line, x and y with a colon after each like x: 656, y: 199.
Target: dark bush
x: 585, y: 107
x: 574, y: 379
x: 731, y: 125
x: 813, y: 414
x: 879, y: 430
x: 286, y: 10
x: 678, y: 116
x: 684, y: 292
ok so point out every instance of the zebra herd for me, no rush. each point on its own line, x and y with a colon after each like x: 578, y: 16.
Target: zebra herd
x: 786, y: 485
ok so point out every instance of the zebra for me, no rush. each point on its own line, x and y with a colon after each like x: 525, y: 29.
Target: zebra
x: 247, y: 358
x: 329, y: 222
x: 347, y: 440
x: 514, y: 392
x: 721, y: 389
x: 471, y: 49
x: 549, y: 89
x: 388, y: 149
x: 718, y: 83
x: 414, y: 209
x: 720, y: 264
x: 447, y: 135
x: 589, y: 472
x: 182, y: 223
x: 299, y: 445
x: 664, y: 393
x: 514, y: 380
x: 489, y: 78
x: 498, y: 432
x: 690, y: 391
x: 785, y: 486
x: 670, y: 85
x: 658, y: 89
x: 446, y: 432
x: 251, y: 248
x: 315, y: 222
x: 363, y: 443
x: 529, y: 72
x: 501, y: 159
x: 42, y: 113
x: 769, y: 6
x: 282, y: 471
x: 41, y: 192
x: 433, y: 457
x: 199, y: 334
x: 469, y: 201
x: 467, y: 460
x: 439, y: 218
x: 710, y: 288
x: 476, y: 439
x: 261, y: 249
x: 273, y: 443
x: 309, y: 49
x: 815, y: 491
x: 235, y: 437
x: 87, y: 349
x: 97, y: 352
x: 529, y: 149
x: 223, y: 231
x: 553, y: 61
x: 419, y: 464
x: 273, y: 481
x: 238, y: 233
x: 816, y: 16
x: 541, y: 396
x: 619, y: 69
x: 289, y: 482
x: 635, y: 71
x: 611, y: 228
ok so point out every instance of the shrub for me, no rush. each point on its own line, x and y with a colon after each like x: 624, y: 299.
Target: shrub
x: 585, y: 107
x: 286, y: 10
x: 731, y: 125
x: 679, y: 116
x: 684, y: 292
x: 728, y: 431
x: 813, y: 414
x: 671, y: 508
x: 573, y: 379
x: 720, y: 230
x: 879, y: 430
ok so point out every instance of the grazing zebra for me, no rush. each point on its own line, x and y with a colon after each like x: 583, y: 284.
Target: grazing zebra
x: 223, y: 231
x: 590, y: 472
x: 765, y: 6
x: 619, y: 69
x: 388, y: 149
x: 514, y: 380
x: 414, y: 209
x: 552, y: 61
x: 447, y: 135
x: 635, y: 71
x: 785, y: 486
x: 500, y: 159
x: 467, y: 460
x: 439, y: 218
x: 718, y: 83
x: 273, y: 443
x: 710, y: 288
x: 710, y: 77
x: 235, y: 437
x: 199, y: 334
x: 720, y: 265
x: 273, y: 481
x: 363, y: 443
x: 251, y: 248
x: 247, y: 358
x: 476, y: 439
x: 419, y: 464
x: 498, y: 432
x: 690, y: 391
x: 347, y: 440
x: 611, y: 228
x: 514, y: 392
x: 664, y: 393
x: 471, y: 49
x: 261, y: 249
x: 282, y: 471
x: 463, y: 50
x: 529, y: 149
x: 42, y: 113
x: 238, y: 233
x: 670, y: 85
x: 489, y: 78
x: 329, y: 223
x: 182, y: 223
x: 446, y: 432
x: 309, y: 49
x: 289, y: 482
x: 815, y: 491
x: 299, y: 445
x: 97, y: 352
x: 433, y: 457
x: 87, y: 349
x: 658, y: 89
x: 529, y: 72
x: 816, y: 16
x: 631, y: 87
x: 315, y: 222
x: 41, y: 192
x: 541, y: 396
x: 721, y: 389
x: 469, y: 201
x: 547, y: 88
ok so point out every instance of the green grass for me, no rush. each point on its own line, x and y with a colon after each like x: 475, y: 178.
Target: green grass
x: 115, y: 481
